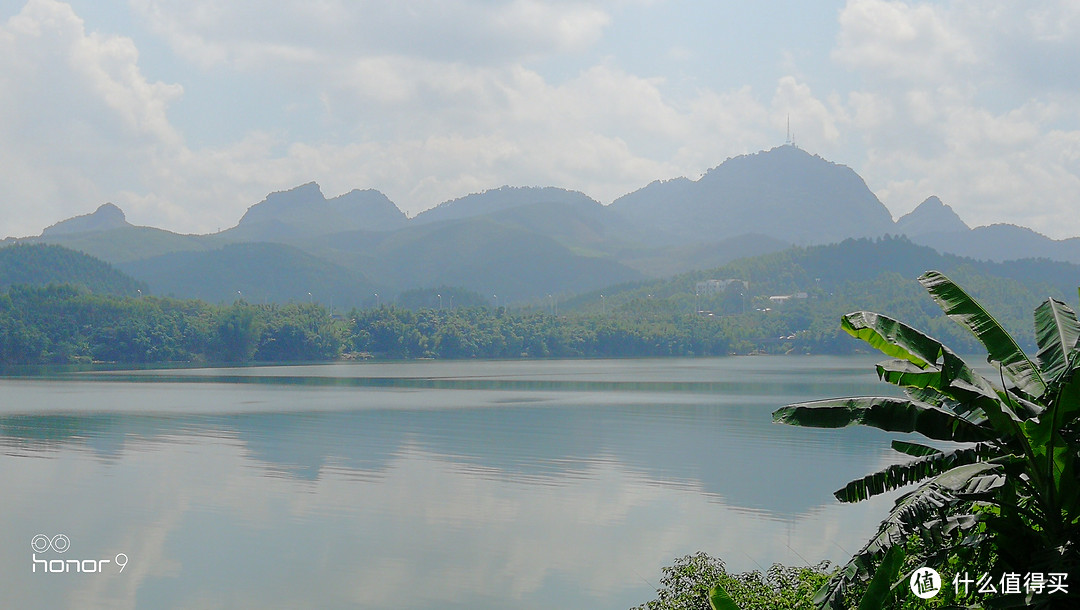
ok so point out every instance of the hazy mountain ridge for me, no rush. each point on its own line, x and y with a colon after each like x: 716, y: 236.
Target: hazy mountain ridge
x: 856, y: 274
x: 876, y: 274
x: 785, y: 193
x: 127, y: 243
x: 930, y: 216
x: 257, y: 272
x: 491, y: 257
x: 527, y: 242
x: 305, y: 211
x: 505, y: 198
x: 42, y: 264
x: 1002, y: 242
x: 106, y: 217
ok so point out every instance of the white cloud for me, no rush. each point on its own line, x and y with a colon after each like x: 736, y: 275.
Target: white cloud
x: 1006, y: 167
x: 76, y: 114
x: 248, y: 33
x: 869, y: 110
x: 604, y: 132
x: 425, y: 128
x: 961, y: 110
x: 899, y: 40
x: 808, y: 113
x: 976, y: 102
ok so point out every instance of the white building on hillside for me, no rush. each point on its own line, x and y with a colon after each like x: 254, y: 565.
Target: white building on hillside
x: 708, y: 287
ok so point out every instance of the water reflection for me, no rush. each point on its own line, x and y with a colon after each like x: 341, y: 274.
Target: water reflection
x: 526, y: 492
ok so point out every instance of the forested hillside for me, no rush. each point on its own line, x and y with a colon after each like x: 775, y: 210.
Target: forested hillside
x: 524, y: 243
x: 787, y: 302
x: 825, y: 282
x: 67, y: 325
x: 42, y: 264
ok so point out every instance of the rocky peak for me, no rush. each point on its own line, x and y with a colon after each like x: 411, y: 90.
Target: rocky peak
x: 931, y: 216
x: 106, y: 217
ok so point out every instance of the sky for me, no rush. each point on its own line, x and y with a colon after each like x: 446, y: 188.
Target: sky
x: 186, y: 112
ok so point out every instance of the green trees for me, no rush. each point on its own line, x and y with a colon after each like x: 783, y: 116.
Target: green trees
x: 481, y: 332
x: 236, y: 335
x: 297, y: 333
x: 67, y: 325
x: 691, y: 580
x: 44, y: 264
x: 1001, y: 494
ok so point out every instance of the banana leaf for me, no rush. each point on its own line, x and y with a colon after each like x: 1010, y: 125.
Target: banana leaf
x: 1056, y: 333
x: 914, y: 449
x: 915, y: 471
x: 896, y: 339
x: 1002, y: 350
x: 886, y: 413
x: 720, y: 600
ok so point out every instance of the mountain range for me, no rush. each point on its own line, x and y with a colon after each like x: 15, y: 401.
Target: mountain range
x: 519, y: 244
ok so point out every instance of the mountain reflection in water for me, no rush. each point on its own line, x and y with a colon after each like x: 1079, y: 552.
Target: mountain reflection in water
x: 478, y: 484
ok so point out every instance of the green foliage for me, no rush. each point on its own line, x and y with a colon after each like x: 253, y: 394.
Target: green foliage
x: 685, y: 585
x: 1008, y: 496
x: 298, y: 333
x: 879, y: 593
x: 443, y: 297
x: 65, y: 325
x: 481, y: 332
x: 643, y: 319
x: 720, y: 600
x: 692, y: 581
x: 632, y: 323
x: 236, y: 334
x: 41, y: 265
x: 262, y: 273
x: 857, y: 274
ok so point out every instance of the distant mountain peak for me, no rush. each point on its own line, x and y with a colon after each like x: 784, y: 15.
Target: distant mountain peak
x: 931, y: 216
x: 786, y: 193
x: 503, y: 198
x: 110, y: 210
x: 107, y: 216
x: 308, y: 189
x: 785, y: 158
x: 784, y: 153
x: 279, y: 202
x: 304, y: 210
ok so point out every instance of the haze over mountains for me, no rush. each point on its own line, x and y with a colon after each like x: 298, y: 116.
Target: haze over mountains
x: 784, y: 193
x: 304, y: 211
x: 523, y: 243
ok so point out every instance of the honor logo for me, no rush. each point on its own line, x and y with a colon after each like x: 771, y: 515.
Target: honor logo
x: 60, y: 544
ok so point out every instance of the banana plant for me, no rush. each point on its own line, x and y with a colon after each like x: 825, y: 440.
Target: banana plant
x: 720, y: 600
x: 1004, y: 488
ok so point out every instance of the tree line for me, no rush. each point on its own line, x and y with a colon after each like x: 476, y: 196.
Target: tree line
x: 64, y: 324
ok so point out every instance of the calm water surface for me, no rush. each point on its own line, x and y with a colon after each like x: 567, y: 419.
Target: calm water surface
x: 552, y: 484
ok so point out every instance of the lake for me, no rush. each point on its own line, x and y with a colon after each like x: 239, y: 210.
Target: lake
x: 508, y: 484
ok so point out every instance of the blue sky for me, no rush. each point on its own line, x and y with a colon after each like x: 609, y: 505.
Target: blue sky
x: 186, y: 112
